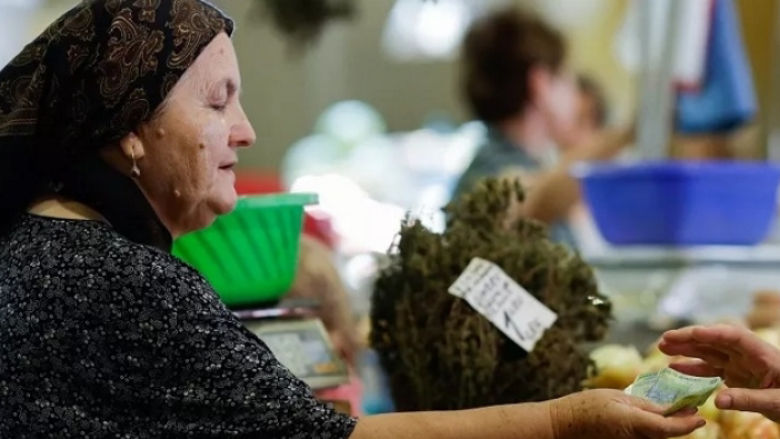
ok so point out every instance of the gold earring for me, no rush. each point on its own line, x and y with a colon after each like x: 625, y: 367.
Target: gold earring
x: 134, y: 171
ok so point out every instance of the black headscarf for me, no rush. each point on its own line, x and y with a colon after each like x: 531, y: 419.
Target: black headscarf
x: 88, y: 80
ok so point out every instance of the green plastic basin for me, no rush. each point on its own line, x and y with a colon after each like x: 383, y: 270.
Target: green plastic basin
x: 249, y: 255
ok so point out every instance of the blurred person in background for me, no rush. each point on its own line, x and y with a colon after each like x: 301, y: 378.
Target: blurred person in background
x: 318, y: 278
x: 516, y: 81
x: 591, y: 112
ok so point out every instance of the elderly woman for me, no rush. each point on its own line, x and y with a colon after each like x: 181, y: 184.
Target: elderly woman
x: 119, y: 128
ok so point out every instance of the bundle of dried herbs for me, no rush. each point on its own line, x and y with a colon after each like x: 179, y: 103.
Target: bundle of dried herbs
x: 438, y: 352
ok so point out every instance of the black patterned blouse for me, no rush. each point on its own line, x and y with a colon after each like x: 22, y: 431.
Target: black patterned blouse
x: 104, y: 337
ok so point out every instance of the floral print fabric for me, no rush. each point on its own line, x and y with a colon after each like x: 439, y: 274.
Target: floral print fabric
x: 103, y: 337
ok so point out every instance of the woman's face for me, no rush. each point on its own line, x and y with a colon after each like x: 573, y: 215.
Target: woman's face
x: 190, y: 150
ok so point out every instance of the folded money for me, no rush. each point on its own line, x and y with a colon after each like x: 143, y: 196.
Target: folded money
x: 673, y: 389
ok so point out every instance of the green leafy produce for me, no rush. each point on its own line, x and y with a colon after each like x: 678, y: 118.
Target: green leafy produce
x: 441, y: 354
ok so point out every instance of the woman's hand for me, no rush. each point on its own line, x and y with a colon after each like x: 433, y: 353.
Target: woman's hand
x: 748, y: 364
x: 732, y: 352
x: 611, y: 414
x: 594, y: 414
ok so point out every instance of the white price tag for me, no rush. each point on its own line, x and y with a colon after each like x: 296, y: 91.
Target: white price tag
x: 506, y: 304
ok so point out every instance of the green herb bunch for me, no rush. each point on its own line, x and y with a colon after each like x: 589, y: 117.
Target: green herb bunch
x: 439, y: 353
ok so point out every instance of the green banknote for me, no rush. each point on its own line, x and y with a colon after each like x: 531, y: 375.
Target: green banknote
x: 673, y: 389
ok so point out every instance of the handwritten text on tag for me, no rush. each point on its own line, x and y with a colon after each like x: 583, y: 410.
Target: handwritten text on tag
x: 506, y: 304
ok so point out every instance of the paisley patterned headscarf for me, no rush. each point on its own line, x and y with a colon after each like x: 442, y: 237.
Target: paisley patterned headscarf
x: 92, y: 77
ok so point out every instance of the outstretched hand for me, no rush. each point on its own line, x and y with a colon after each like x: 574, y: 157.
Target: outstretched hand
x: 750, y: 366
x: 611, y: 414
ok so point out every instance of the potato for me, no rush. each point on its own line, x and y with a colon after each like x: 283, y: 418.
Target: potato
x: 769, y: 335
x: 616, y: 366
x: 744, y: 425
x: 709, y: 411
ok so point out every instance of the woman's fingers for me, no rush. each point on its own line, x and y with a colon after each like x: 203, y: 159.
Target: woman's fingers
x: 733, y: 375
x: 645, y: 404
x: 771, y: 379
x: 730, y: 339
x: 746, y: 360
x: 697, y: 368
x: 687, y: 411
x: 720, y: 335
x: 724, y: 337
x: 766, y: 401
x: 734, y: 339
x: 682, y: 335
x: 657, y: 426
x: 651, y: 407
x: 712, y: 355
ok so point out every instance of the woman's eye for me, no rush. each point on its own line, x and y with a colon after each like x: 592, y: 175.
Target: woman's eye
x: 218, y: 107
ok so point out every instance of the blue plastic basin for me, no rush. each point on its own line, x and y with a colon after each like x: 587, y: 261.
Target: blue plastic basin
x: 681, y: 203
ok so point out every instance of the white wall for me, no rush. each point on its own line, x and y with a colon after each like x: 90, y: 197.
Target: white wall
x: 284, y: 92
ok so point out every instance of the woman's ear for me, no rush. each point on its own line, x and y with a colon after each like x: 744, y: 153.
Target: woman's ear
x: 132, y: 146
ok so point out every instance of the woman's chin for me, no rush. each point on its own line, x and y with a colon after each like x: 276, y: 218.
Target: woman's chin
x: 208, y: 211
x: 226, y: 202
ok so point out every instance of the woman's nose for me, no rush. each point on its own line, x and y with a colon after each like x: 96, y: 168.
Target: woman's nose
x: 242, y: 134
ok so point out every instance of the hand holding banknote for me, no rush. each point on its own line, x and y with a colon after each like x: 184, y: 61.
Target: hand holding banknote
x: 750, y: 366
x: 674, y: 390
x: 612, y: 414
